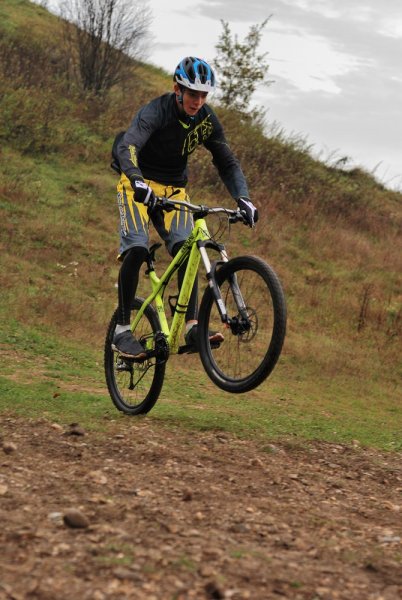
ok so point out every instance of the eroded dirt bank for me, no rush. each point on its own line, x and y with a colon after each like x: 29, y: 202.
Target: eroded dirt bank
x: 166, y: 514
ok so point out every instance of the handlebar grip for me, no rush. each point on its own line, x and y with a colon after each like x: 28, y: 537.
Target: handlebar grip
x: 236, y: 218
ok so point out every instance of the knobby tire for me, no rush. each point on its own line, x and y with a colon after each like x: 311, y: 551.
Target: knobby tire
x: 244, y: 360
x: 146, y: 378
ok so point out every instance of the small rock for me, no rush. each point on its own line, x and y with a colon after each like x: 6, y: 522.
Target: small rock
x: 256, y: 462
x: 124, y: 573
x: 75, y: 519
x: 323, y: 592
x: 213, y: 554
x: 239, y: 528
x: 56, y: 517
x: 100, y: 478
x: 61, y: 549
x: 389, y: 539
x: 391, y: 592
x: 9, y: 447
x: 56, y: 427
x: 272, y: 449
x: 206, y: 571
x: 3, y: 489
x: 187, y: 496
x: 74, y: 429
x: 213, y: 592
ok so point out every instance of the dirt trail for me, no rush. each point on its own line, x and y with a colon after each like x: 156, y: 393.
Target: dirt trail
x: 167, y: 514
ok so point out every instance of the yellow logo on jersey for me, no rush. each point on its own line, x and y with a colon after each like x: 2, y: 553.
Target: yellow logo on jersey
x: 198, y: 135
x: 133, y: 155
x: 185, y: 125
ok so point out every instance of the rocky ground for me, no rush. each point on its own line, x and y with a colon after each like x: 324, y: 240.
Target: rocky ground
x: 142, y: 511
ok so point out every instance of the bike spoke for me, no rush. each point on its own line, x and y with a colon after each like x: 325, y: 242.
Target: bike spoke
x: 134, y: 386
x: 256, y: 325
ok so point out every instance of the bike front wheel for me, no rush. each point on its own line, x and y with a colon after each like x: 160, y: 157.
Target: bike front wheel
x: 134, y: 387
x: 254, y: 336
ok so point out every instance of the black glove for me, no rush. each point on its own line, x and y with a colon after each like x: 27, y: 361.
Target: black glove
x: 143, y: 193
x: 248, y: 210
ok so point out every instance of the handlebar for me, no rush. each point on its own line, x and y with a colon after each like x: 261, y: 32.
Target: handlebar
x: 169, y: 205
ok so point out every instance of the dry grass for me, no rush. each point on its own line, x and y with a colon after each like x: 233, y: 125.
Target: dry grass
x: 333, y: 237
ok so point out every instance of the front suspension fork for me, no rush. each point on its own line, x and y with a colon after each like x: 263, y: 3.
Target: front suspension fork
x: 210, y: 269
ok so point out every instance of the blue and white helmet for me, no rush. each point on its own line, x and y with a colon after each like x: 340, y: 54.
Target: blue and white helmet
x: 195, y: 74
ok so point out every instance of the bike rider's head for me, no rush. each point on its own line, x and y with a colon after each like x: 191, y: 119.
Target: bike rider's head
x: 193, y: 79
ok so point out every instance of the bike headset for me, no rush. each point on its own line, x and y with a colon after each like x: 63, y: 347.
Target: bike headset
x: 194, y: 74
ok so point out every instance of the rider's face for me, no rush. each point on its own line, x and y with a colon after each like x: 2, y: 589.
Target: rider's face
x: 192, y: 100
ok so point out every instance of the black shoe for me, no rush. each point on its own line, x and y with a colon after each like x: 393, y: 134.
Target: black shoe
x: 191, y: 337
x: 125, y: 344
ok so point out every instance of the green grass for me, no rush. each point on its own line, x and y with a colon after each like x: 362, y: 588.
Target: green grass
x: 332, y: 236
x: 65, y: 383
x: 12, y: 16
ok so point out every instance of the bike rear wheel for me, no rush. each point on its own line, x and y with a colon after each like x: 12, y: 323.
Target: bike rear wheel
x: 134, y: 387
x: 253, y: 340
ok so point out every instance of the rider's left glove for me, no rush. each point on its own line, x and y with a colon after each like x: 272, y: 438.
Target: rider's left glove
x: 143, y: 193
x: 248, y: 210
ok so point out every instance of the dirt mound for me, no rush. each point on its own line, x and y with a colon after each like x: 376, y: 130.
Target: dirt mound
x: 142, y: 511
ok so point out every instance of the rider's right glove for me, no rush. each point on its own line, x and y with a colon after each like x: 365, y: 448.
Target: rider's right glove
x: 143, y: 193
x: 248, y: 210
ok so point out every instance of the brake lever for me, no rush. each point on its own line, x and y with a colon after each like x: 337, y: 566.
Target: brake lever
x: 165, y: 204
x: 236, y: 218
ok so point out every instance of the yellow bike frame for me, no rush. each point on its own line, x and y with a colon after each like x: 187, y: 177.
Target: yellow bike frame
x: 191, y: 251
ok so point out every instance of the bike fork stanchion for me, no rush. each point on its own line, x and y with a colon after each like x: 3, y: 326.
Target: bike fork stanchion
x: 238, y: 297
x: 210, y: 274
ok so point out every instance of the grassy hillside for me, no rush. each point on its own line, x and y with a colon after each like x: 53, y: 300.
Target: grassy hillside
x: 334, y: 237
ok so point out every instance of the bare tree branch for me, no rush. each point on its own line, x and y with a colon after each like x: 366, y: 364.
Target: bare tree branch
x: 107, y: 34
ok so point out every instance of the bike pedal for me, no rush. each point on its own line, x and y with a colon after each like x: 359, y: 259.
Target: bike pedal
x: 190, y: 349
x: 187, y: 349
x: 128, y: 360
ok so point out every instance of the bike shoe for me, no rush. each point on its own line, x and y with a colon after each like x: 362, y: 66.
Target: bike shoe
x: 125, y: 344
x: 191, y: 337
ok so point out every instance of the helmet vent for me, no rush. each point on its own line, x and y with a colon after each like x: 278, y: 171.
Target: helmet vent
x: 194, y: 73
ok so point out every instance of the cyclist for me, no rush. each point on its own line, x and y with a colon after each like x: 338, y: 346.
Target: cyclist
x: 151, y: 157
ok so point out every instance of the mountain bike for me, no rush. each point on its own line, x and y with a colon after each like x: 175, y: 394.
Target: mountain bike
x: 243, y: 299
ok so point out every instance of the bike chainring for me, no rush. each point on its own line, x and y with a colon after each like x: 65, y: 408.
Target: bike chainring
x: 161, y: 351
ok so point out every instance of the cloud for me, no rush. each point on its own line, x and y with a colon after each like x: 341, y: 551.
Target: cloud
x: 360, y: 29
x: 365, y: 127
x: 303, y: 12
x: 317, y: 43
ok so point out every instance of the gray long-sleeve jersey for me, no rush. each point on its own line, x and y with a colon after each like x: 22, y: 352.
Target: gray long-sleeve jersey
x: 159, y: 140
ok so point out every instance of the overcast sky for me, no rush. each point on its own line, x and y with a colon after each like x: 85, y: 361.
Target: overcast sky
x: 337, y: 67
